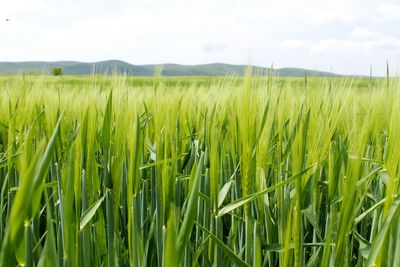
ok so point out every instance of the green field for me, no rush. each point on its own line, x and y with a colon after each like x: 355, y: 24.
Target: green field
x: 223, y: 171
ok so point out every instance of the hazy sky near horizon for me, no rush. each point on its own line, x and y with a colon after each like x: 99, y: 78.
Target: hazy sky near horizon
x: 347, y: 36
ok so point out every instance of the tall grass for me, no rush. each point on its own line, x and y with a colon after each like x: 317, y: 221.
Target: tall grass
x: 226, y: 172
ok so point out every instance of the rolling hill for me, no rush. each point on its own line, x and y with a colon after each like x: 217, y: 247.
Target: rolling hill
x: 112, y: 66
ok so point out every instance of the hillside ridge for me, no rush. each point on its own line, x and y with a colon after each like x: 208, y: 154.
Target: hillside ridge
x: 168, y: 69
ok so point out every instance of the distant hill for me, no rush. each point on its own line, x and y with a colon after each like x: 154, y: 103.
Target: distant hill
x: 112, y: 66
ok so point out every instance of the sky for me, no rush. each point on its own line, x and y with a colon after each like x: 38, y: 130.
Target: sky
x: 345, y: 36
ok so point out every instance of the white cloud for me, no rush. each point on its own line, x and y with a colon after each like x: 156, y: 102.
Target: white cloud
x: 388, y: 45
x: 353, y: 47
x: 18, y: 8
x: 336, y: 46
x: 307, y: 33
x: 214, y: 47
x: 388, y: 11
x: 332, y: 15
x: 361, y: 33
x: 293, y: 44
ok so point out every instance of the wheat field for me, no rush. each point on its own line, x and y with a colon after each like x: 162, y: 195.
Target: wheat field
x: 233, y: 171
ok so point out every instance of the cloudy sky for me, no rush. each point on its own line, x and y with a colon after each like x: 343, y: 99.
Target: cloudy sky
x: 347, y: 36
